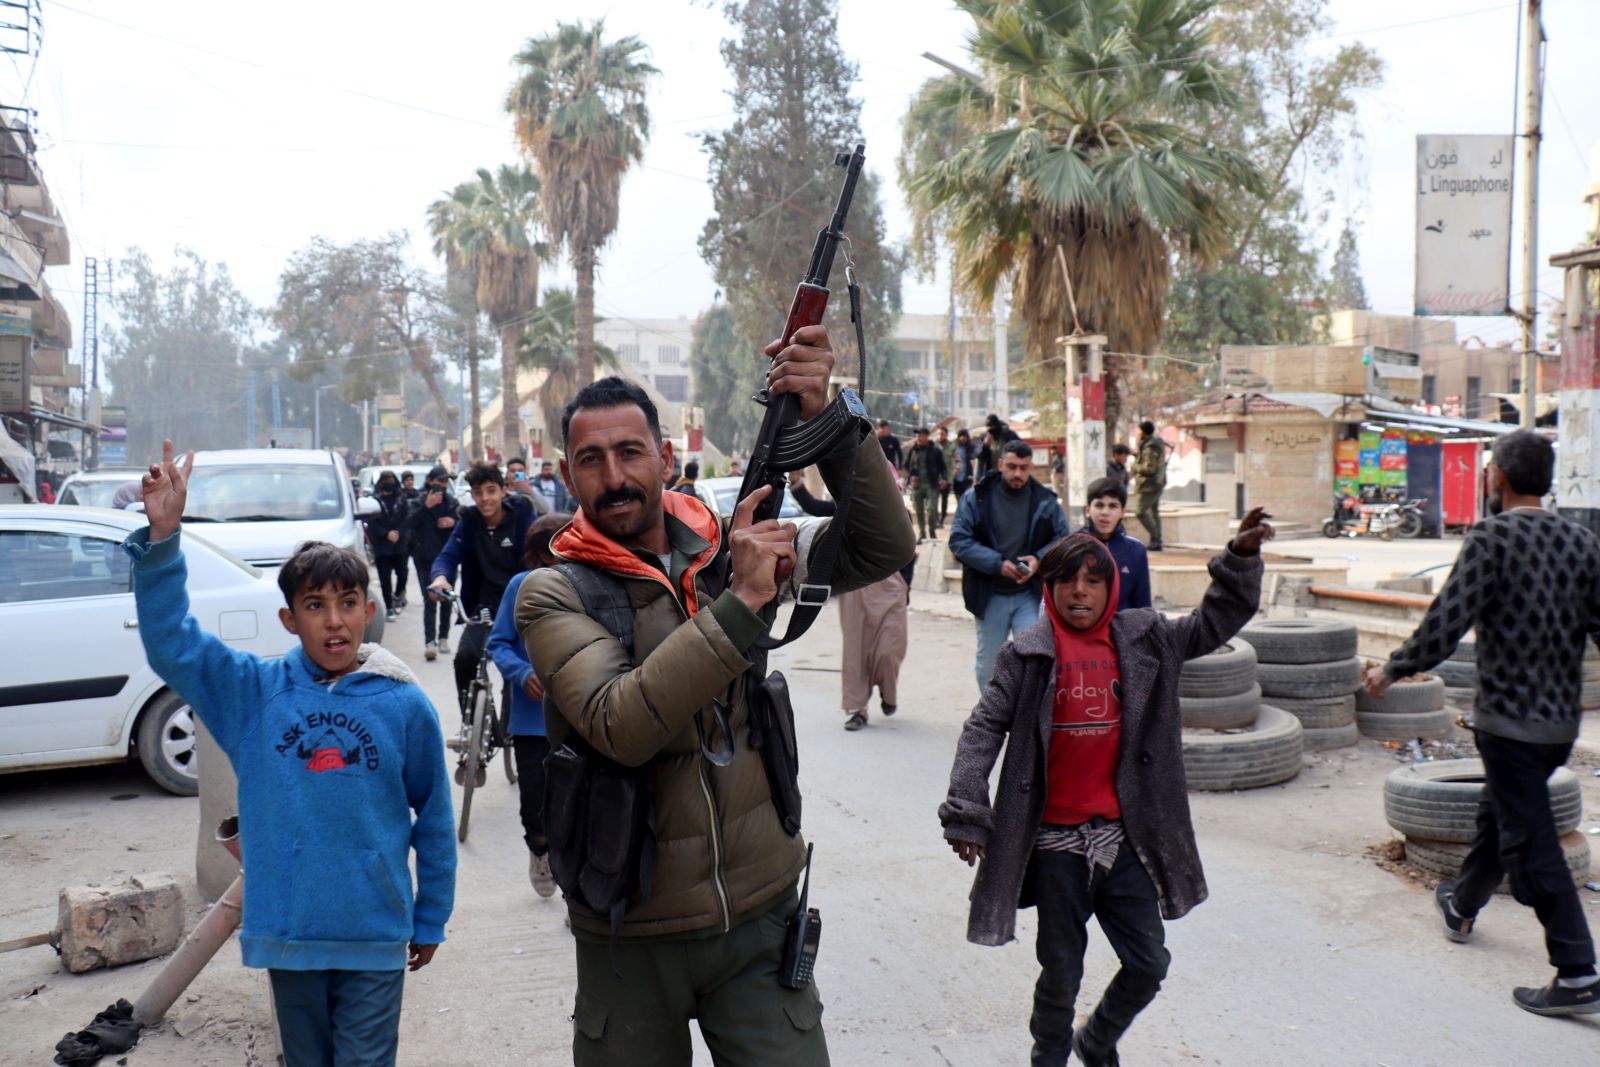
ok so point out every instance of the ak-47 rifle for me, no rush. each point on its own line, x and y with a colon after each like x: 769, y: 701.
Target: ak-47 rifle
x: 783, y: 444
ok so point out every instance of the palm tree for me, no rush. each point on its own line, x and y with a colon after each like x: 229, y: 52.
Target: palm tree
x: 581, y: 117
x: 550, y: 344
x: 1078, y: 141
x: 491, y: 223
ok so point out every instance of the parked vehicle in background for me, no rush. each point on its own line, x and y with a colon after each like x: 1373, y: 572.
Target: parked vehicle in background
x: 76, y: 688
x: 1355, y: 518
x: 1411, y: 518
x: 721, y: 495
x: 263, y: 503
x: 96, y: 488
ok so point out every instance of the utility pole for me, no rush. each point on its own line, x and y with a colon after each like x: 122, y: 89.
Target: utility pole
x: 1533, y: 41
x: 89, y: 447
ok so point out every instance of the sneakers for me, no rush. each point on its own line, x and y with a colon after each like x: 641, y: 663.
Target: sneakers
x: 430, y: 651
x: 1089, y: 1056
x: 392, y: 614
x: 544, y: 883
x: 1457, y: 928
x: 1555, y: 999
x: 444, y: 646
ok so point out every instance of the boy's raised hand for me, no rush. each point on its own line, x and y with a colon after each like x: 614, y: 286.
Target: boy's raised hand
x: 165, y: 491
x: 1254, y: 530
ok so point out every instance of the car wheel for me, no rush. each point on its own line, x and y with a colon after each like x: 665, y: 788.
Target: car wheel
x: 166, y: 745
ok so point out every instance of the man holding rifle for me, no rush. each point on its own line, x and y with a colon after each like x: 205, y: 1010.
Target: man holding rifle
x: 703, y: 935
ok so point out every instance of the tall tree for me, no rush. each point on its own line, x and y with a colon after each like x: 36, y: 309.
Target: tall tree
x: 492, y: 224
x: 364, y: 309
x: 772, y: 188
x: 725, y: 377
x: 579, y: 106
x: 173, y: 358
x: 1348, y: 289
x: 550, y: 344
x: 1093, y: 155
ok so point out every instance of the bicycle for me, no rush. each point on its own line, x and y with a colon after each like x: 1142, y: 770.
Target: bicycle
x: 483, y: 732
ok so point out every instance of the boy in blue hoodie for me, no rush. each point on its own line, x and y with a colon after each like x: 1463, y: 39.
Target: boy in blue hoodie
x: 335, y: 747
x: 1104, y: 506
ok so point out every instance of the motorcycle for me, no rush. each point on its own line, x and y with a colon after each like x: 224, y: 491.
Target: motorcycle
x: 1410, y: 519
x: 1356, y: 518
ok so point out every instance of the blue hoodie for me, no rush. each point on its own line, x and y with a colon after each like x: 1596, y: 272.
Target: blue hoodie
x: 510, y: 657
x: 329, y: 776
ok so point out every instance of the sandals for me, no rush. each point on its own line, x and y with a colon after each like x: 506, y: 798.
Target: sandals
x: 856, y: 721
x: 888, y: 709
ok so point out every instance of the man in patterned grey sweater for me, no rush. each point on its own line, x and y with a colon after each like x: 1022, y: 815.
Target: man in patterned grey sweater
x: 1529, y: 582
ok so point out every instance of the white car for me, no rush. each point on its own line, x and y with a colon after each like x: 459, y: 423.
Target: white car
x: 263, y: 503
x: 367, y: 477
x: 721, y: 495
x: 74, y: 686
x: 96, y: 488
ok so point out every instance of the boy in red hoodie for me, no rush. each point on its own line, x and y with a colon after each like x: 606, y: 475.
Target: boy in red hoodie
x: 1089, y: 696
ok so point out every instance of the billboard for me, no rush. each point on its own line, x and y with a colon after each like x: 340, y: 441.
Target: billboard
x: 1463, y: 238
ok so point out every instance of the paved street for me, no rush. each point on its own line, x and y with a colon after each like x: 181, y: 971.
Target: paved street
x: 1307, y: 952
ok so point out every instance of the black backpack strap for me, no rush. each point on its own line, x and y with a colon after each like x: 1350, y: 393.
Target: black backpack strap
x: 812, y: 594
x: 604, y: 600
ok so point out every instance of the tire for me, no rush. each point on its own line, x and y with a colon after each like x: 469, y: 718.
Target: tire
x: 1309, y: 681
x: 473, y: 755
x: 1458, y: 674
x: 1439, y: 801
x: 1330, y: 529
x: 1267, y: 754
x: 1321, y: 713
x: 165, y: 742
x: 1459, y: 697
x: 1221, y: 713
x: 1398, y: 726
x: 1228, y: 671
x: 1405, y: 697
x: 1589, y: 698
x: 1466, y: 651
x: 1325, y: 738
x: 1301, y: 640
x: 1410, y: 525
x: 1443, y: 859
x: 505, y: 734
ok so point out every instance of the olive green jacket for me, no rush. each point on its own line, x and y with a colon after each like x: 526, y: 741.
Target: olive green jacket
x: 721, y: 852
x: 1150, y: 469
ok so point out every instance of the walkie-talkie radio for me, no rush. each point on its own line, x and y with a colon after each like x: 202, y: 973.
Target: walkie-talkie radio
x: 800, y: 944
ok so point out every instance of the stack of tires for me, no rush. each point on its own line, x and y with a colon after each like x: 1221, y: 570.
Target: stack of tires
x: 1412, y: 707
x: 1459, y: 674
x: 1308, y: 668
x: 1591, y: 677
x: 1231, y: 740
x: 1435, y: 805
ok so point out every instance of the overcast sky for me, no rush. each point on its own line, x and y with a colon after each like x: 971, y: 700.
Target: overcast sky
x: 243, y: 130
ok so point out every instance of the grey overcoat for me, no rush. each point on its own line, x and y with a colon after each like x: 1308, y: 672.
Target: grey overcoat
x: 1151, y: 788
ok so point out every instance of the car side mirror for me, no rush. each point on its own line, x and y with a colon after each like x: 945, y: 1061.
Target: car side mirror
x: 368, y: 506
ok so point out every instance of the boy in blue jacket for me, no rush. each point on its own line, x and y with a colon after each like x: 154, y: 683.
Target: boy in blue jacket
x: 335, y: 747
x: 1105, y: 504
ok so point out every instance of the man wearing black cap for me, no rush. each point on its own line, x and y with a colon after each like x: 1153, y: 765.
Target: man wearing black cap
x: 433, y: 516
x: 926, y: 476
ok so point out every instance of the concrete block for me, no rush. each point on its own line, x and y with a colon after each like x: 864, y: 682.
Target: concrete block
x: 1406, y: 584
x: 103, y: 926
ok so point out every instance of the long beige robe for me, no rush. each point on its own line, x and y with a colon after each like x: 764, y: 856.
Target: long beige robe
x: 874, y: 623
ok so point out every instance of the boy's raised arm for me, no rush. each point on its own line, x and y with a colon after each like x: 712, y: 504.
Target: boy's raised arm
x: 221, y: 683
x: 1234, y: 595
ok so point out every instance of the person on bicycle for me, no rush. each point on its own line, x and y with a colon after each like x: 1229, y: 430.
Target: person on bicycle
x: 705, y: 942
x: 528, y: 742
x: 485, y: 545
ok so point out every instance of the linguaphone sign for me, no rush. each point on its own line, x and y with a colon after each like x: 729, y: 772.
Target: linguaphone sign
x: 1463, y: 224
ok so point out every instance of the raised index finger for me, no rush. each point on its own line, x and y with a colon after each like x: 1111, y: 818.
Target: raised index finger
x: 745, y: 512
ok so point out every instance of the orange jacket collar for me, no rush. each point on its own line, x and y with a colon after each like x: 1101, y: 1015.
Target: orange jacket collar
x: 581, y: 541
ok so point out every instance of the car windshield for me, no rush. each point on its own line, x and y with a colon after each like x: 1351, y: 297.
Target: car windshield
x: 728, y: 499
x: 264, y: 492
x: 96, y: 493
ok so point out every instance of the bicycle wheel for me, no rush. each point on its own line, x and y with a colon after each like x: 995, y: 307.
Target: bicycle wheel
x: 474, y: 754
x: 505, y: 734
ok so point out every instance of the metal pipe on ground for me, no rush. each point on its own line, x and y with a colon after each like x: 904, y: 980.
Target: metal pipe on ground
x: 202, y: 943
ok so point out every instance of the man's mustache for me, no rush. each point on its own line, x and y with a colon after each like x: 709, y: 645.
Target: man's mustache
x: 625, y: 495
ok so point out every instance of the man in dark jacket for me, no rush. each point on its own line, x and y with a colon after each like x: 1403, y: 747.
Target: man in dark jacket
x: 1003, y: 525
x: 1528, y: 582
x: 387, y: 532
x: 486, y: 547
x: 1105, y: 504
x: 432, y: 518
x: 925, y: 476
x: 1091, y: 816
x: 1117, y: 465
x: 890, y: 443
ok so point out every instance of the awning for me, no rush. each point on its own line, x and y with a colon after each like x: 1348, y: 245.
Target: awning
x: 19, y: 461
x: 60, y: 419
x: 1391, y: 413
x: 1543, y: 404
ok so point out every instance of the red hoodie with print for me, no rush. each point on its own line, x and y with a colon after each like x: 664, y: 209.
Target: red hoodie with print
x: 1086, y: 730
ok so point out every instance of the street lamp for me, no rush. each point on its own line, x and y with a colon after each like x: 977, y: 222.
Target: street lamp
x: 316, y: 418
